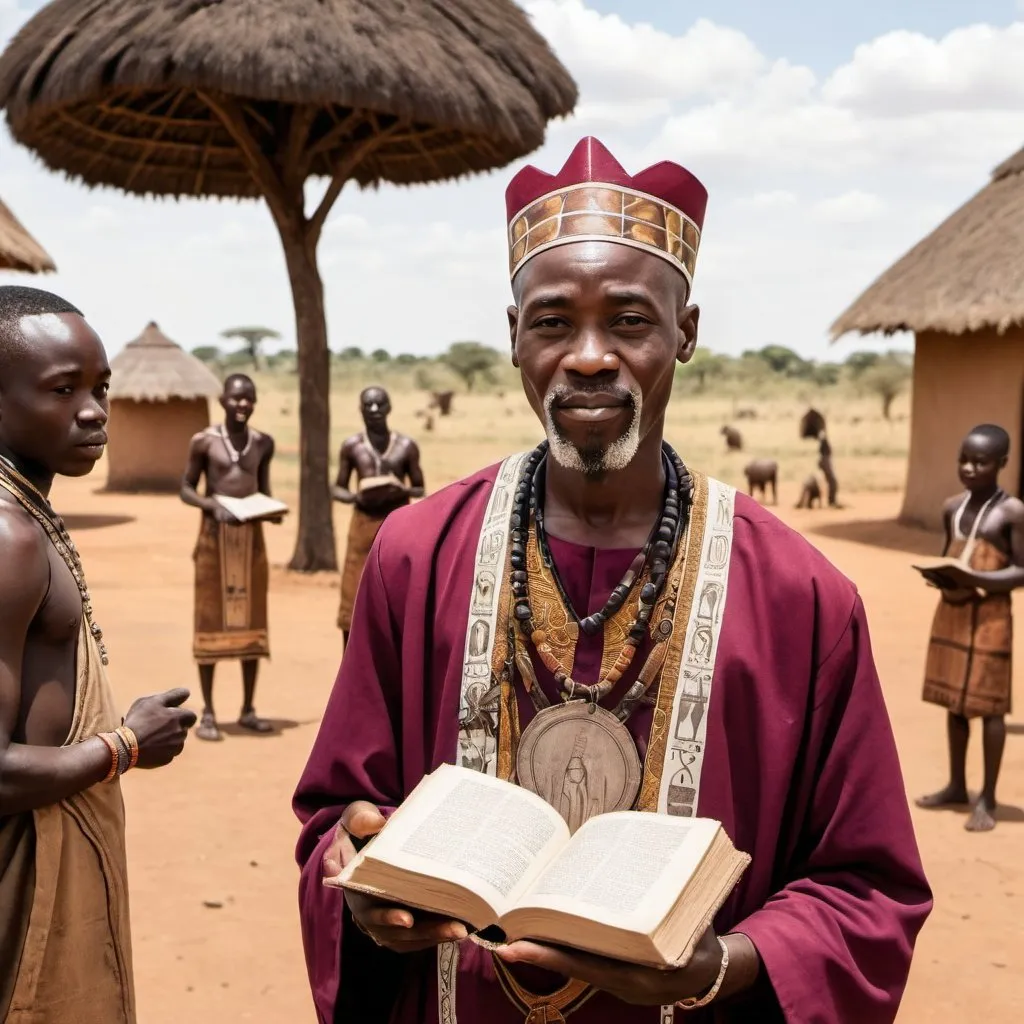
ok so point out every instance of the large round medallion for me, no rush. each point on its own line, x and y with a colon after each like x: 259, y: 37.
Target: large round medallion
x: 581, y: 759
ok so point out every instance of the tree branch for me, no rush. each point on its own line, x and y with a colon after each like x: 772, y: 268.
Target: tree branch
x: 343, y: 172
x: 335, y: 134
x: 266, y: 177
x: 294, y: 168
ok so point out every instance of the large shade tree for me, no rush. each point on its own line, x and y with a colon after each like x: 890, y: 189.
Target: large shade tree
x: 253, y: 98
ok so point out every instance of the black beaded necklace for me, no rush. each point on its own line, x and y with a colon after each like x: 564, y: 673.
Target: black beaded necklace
x: 660, y: 549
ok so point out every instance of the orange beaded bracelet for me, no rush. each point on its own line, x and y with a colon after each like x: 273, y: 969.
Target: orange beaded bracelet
x: 115, y: 755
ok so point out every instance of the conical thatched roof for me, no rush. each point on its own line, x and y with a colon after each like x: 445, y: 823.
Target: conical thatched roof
x: 152, y: 368
x: 18, y: 249
x: 119, y: 92
x: 967, y: 275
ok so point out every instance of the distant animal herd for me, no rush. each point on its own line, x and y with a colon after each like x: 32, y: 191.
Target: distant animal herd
x: 763, y: 474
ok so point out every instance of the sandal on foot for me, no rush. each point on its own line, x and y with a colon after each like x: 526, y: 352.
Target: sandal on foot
x: 249, y: 720
x: 207, y: 728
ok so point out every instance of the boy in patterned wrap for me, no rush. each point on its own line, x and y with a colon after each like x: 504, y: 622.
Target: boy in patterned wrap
x: 969, y: 669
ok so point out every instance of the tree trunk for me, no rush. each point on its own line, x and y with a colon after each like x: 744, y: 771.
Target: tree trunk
x: 314, y: 547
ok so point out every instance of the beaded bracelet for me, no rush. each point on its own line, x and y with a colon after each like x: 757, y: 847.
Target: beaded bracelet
x: 115, y: 755
x: 131, y: 742
x: 692, y: 1002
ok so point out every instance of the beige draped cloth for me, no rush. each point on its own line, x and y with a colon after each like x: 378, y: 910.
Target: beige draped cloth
x: 64, y: 926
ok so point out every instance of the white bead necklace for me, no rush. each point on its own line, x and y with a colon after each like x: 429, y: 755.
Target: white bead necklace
x: 233, y: 453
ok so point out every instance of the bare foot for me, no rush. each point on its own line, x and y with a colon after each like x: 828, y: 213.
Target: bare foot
x: 982, y: 817
x: 249, y: 720
x: 951, y: 796
x: 207, y: 728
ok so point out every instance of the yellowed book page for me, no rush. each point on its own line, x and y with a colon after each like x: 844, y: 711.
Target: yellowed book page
x: 479, y: 832
x: 624, y: 869
x: 255, y: 506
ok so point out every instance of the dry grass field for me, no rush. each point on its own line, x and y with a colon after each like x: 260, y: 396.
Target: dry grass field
x: 869, y: 452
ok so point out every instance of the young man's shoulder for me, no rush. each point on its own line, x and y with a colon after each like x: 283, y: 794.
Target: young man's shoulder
x: 203, y: 438
x: 23, y: 546
x: 1013, y: 509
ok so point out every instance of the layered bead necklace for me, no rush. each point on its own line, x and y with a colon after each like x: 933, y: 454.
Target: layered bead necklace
x: 577, y: 742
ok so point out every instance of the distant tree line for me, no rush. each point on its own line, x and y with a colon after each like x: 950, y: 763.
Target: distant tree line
x: 885, y: 375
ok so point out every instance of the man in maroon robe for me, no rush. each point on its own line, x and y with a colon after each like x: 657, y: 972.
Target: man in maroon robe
x: 770, y: 719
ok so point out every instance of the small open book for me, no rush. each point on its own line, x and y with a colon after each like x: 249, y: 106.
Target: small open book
x: 628, y: 885
x: 256, y: 506
x: 940, y: 566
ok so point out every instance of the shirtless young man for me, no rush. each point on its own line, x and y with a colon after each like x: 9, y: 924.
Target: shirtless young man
x: 64, y: 923
x: 378, y: 452
x: 969, y: 670
x: 232, y: 576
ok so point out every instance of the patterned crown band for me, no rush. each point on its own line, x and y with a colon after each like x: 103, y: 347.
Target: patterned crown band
x: 592, y: 212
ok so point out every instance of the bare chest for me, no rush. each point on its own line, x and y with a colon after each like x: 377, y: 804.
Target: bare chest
x: 372, y: 461
x: 230, y: 471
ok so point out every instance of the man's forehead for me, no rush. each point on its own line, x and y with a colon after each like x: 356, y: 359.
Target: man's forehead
x: 375, y: 395
x: 608, y: 267
x: 43, y: 339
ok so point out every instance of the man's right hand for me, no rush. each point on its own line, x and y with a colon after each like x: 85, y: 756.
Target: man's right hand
x: 161, y: 726
x: 221, y: 514
x: 392, y: 926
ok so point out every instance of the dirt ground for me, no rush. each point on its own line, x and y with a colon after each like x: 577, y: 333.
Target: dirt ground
x: 210, y: 839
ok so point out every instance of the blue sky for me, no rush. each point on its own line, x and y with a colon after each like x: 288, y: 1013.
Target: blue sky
x: 817, y: 33
x: 831, y: 139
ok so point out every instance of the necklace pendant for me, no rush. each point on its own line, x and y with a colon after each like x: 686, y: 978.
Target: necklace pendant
x: 581, y: 759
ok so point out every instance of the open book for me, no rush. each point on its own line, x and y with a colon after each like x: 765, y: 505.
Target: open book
x: 628, y: 885
x: 256, y: 506
x: 940, y: 566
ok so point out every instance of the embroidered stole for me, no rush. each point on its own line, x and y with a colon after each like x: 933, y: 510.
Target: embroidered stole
x: 676, y: 747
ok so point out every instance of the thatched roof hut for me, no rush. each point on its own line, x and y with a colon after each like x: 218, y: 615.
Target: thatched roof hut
x: 961, y: 291
x: 18, y: 249
x: 158, y: 399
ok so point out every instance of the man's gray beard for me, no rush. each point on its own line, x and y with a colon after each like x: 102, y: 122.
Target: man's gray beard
x: 593, y: 462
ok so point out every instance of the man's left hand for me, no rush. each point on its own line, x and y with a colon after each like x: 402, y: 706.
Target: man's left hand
x: 630, y: 983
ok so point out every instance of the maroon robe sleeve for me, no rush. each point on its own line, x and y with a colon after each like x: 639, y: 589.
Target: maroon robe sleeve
x: 354, y: 757
x: 836, y: 939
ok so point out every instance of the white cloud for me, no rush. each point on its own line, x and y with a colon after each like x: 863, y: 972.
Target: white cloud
x: 853, y: 207
x: 780, y: 198
x: 100, y: 218
x: 613, y: 58
x: 905, y: 73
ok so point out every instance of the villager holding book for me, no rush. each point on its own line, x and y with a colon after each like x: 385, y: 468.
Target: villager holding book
x: 231, y: 569
x: 969, y: 665
x: 606, y: 626
x: 65, y: 936
x: 383, y: 461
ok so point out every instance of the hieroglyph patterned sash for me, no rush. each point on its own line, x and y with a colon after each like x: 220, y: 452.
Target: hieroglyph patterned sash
x: 479, y: 700
x: 686, y: 740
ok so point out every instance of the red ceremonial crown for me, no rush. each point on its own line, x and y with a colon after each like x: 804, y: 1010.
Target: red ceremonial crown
x: 592, y: 198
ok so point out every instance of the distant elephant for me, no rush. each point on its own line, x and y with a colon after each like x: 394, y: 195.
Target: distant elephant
x: 733, y: 439
x: 810, y: 494
x: 759, y: 474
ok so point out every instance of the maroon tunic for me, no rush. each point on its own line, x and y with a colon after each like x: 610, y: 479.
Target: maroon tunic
x: 800, y: 767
